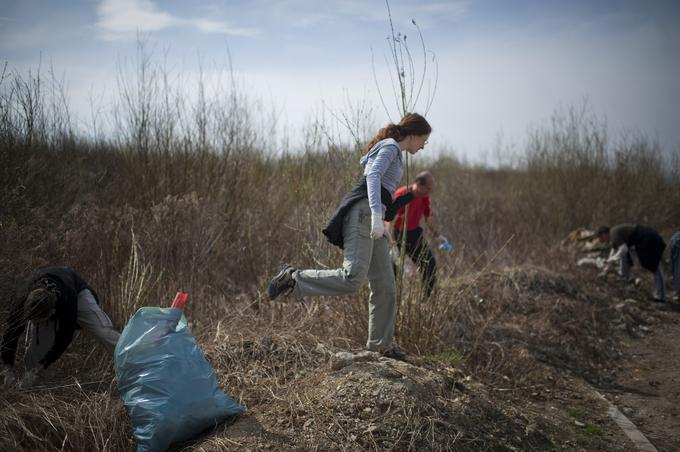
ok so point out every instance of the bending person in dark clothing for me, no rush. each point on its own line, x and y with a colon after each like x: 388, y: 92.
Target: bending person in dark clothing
x: 647, y: 244
x: 56, y: 303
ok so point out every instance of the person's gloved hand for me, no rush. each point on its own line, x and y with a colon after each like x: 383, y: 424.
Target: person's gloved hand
x: 6, y: 375
x: 377, y: 226
x: 30, y: 378
x: 603, y: 272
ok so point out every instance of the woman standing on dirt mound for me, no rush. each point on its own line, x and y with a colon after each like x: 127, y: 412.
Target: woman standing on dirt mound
x: 358, y: 228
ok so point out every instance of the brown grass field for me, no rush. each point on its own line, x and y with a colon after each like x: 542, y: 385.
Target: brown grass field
x: 173, y: 200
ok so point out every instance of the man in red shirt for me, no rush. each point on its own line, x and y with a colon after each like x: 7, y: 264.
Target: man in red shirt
x: 417, y: 247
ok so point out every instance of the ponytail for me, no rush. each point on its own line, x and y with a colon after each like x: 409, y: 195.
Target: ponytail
x: 411, y: 124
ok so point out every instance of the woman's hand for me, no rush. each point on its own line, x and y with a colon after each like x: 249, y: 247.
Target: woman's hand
x: 377, y: 226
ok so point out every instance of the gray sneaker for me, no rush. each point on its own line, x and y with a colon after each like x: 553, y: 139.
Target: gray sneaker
x: 282, y: 283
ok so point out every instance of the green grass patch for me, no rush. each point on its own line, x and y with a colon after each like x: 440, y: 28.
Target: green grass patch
x: 451, y: 358
x: 589, y: 428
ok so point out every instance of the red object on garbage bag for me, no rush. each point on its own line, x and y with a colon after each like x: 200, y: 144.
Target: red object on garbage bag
x: 155, y: 358
x: 179, y: 300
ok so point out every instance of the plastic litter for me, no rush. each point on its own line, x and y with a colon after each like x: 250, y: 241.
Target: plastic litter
x: 170, y: 391
x: 444, y: 244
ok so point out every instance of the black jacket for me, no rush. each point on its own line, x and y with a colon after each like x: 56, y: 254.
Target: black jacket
x: 333, y: 230
x: 649, y: 246
x: 68, y: 284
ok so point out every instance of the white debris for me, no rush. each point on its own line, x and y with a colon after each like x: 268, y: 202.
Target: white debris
x: 598, y: 262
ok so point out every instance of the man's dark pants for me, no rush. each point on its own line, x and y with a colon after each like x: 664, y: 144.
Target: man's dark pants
x: 420, y: 253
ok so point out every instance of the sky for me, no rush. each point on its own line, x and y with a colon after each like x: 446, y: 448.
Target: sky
x: 504, y: 67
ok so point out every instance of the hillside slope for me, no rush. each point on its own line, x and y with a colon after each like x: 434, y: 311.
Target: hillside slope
x: 549, y: 343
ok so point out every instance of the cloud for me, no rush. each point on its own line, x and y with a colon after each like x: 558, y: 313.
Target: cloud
x: 125, y: 16
x: 120, y: 19
x: 211, y: 26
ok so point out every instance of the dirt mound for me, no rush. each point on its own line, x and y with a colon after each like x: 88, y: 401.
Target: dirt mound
x: 548, y: 341
x: 379, y: 403
x: 513, y: 322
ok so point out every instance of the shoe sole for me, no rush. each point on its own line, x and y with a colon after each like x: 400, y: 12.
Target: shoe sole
x: 273, y: 289
x: 396, y: 355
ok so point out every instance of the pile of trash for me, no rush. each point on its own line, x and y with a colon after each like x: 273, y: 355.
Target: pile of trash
x: 583, y: 244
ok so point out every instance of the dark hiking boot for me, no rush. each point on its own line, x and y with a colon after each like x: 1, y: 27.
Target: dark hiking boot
x: 394, y: 353
x: 282, y: 283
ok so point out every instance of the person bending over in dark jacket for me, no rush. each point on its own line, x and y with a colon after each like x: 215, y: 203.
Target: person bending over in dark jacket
x: 56, y: 303
x: 647, y: 244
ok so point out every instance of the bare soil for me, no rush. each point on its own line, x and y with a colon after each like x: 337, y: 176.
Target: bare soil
x: 646, y: 387
x: 643, y: 383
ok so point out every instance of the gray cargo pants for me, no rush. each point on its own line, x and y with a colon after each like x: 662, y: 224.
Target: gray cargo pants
x: 364, y: 258
x: 91, y: 318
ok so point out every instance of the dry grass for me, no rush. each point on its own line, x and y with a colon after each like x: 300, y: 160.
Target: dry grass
x: 176, y: 203
x: 267, y: 359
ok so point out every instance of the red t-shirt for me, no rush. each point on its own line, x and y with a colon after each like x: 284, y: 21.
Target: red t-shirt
x: 416, y: 209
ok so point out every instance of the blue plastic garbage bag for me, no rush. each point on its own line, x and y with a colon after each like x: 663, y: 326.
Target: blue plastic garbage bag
x: 169, y: 389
